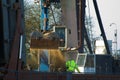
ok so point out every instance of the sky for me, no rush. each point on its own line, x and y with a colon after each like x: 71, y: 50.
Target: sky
x: 110, y: 13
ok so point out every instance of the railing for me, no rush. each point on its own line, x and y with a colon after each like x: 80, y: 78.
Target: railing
x: 34, y: 75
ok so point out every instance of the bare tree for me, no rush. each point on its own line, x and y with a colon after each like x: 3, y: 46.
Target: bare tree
x: 32, y: 18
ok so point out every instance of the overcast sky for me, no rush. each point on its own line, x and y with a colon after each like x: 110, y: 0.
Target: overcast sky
x: 110, y: 13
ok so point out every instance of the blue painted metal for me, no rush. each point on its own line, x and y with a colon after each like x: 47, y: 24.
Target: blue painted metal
x: 9, y: 24
x: 44, y: 15
x: 5, y: 30
x: 23, y: 28
x: 69, y: 76
x: 44, y: 57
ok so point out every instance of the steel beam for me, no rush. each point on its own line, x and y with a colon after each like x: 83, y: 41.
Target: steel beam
x: 101, y: 26
x: 80, y: 9
x: 5, y: 30
x: 23, y: 31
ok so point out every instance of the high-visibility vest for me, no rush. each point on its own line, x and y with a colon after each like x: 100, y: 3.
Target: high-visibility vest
x: 71, y: 65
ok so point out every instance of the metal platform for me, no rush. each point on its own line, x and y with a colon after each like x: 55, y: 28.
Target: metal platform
x: 28, y: 75
x: 44, y: 44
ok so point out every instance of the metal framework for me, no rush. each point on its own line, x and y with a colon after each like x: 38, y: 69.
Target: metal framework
x: 101, y: 26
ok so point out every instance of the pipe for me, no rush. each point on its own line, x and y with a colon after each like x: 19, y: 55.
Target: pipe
x: 21, y: 41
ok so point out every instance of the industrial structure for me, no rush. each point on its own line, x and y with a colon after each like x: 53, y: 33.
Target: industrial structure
x: 51, y: 49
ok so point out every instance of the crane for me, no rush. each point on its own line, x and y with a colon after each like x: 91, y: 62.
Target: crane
x: 14, y: 26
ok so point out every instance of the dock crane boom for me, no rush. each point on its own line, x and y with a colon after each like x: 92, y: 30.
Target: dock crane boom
x: 101, y: 26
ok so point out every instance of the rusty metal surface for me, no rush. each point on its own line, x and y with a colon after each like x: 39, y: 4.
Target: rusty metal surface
x: 80, y: 4
x: 41, y: 76
x: 32, y: 75
x: 66, y: 76
x: 49, y: 40
x: 13, y: 62
x: 44, y: 44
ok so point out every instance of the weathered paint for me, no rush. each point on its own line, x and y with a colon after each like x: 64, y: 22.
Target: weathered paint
x: 5, y: 30
x: 70, y: 21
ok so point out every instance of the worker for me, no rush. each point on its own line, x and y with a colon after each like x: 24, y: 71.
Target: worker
x: 44, y: 15
x: 71, y: 66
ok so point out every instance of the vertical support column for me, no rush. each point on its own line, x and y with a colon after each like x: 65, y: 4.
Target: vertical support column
x: 70, y: 21
x: 80, y: 22
x: 12, y: 20
x: 23, y: 55
x: 1, y: 35
x: 13, y: 62
x: 5, y: 29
